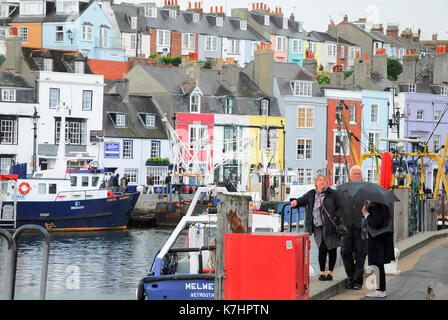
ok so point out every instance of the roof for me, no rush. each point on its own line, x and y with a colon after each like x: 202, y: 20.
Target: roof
x: 287, y: 72
x: 326, y: 37
x: 399, y: 42
x: 9, y: 79
x: 275, y: 27
x: 51, y: 15
x: 182, y: 23
x: 246, y: 93
x: 63, y: 60
x: 134, y: 109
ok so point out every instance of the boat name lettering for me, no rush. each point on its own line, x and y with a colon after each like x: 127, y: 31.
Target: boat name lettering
x: 18, y: 196
x: 199, y: 286
x: 123, y: 198
x: 111, y: 199
x: 77, y: 206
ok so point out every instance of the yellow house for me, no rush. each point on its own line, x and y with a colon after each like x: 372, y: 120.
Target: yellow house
x: 316, y: 49
x: 269, y: 145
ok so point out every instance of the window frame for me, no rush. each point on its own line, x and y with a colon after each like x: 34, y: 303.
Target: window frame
x: 86, y: 32
x: 90, y: 102
x: 264, y: 107
x: 307, y: 149
x: 372, y: 113
x: 122, y: 122
x: 155, y: 151
x: 344, y: 135
x: 9, y: 95
x: 280, y: 43
x: 308, y: 120
x: 50, y: 99
x: 418, y: 113
x: 128, y: 149
x: 213, y: 43
x: 301, y: 88
x: 23, y: 32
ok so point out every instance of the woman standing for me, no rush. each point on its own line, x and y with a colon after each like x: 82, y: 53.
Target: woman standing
x: 378, y: 228
x: 323, y: 203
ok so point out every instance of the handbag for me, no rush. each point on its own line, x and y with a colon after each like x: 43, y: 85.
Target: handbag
x: 341, y: 229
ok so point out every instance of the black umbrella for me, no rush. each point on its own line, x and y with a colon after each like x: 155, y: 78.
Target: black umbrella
x: 361, y: 190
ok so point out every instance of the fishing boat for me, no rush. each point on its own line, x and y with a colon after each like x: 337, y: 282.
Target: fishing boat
x: 188, y: 273
x: 64, y: 199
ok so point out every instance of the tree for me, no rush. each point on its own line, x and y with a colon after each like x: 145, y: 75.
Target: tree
x: 394, y: 68
x: 323, y: 77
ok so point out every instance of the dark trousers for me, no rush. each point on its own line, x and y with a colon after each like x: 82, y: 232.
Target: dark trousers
x: 323, y: 251
x: 353, y: 252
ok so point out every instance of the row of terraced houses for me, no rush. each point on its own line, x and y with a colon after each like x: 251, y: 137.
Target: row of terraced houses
x: 247, y: 84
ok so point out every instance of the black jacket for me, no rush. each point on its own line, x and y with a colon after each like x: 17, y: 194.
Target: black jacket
x: 380, y: 220
x: 332, y: 203
x: 352, y: 210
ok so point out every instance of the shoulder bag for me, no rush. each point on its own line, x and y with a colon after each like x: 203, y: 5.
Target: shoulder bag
x: 341, y: 229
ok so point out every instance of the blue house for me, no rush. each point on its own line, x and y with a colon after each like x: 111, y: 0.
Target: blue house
x: 374, y: 126
x: 305, y: 110
x: 81, y: 26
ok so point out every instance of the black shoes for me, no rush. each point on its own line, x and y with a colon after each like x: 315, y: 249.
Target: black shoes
x: 357, y: 286
x: 327, y: 277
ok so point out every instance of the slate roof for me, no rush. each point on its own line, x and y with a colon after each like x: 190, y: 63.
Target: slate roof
x: 399, y: 42
x: 284, y: 73
x: 247, y: 94
x: 63, y: 60
x: 275, y: 27
x: 51, y: 15
x: 135, y: 128
x: 9, y: 79
x: 326, y: 37
x: 182, y: 23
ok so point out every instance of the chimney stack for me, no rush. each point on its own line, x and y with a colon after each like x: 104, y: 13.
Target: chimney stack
x: 345, y: 21
x: 379, y: 63
x: 361, y: 68
x: 13, y: 60
x: 440, y: 72
x: 434, y: 37
x: 378, y: 28
x: 263, y: 67
x: 310, y: 64
x: 392, y: 30
x: 230, y: 76
x: 197, y: 8
x: 409, y: 72
x: 407, y: 34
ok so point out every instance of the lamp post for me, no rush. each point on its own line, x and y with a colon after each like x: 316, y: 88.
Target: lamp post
x: 35, y: 119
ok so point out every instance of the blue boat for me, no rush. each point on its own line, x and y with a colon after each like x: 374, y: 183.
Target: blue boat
x: 188, y: 273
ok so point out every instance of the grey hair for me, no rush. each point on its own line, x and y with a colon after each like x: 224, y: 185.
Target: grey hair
x: 355, y: 168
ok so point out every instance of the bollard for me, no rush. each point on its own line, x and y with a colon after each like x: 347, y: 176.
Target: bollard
x: 5, y: 234
x: 45, y: 259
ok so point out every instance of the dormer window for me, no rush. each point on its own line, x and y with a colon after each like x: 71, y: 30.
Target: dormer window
x: 219, y: 21
x: 4, y: 11
x: 8, y: 95
x: 412, y: 88
x: 195, y: 100
x: 151, y: 11
x: 172, y: 14
x: 150, y: 120
x: 264, y: 107
x: 266, y: 20
x: 47, y: 64
x: 443, y: 90
x: 119, y: 119
x: 285, y: 23
x: 79, y: 67
x: 195, y: 17
x: 301, y: 88
x: 29, y: 8
x: 134, y: 22
x: 67, y: 6
x: 243, y: 25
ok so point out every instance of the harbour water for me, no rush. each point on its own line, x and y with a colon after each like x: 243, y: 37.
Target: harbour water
x: 91, y: 266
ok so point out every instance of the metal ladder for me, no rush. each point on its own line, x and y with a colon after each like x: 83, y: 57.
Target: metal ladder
x: 13, y: 245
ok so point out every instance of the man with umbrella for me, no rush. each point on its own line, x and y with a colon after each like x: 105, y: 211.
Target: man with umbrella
x: 376, y: 226
x: 354, y: 248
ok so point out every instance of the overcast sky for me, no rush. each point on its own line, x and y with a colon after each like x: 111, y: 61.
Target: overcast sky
x: 429, y: 15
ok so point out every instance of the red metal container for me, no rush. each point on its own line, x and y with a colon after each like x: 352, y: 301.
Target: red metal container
x: 266, y: 266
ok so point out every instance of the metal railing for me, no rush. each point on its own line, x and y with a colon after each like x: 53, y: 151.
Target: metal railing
x: 13, y: 245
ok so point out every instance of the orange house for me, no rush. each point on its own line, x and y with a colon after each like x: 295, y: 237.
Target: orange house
x: 336, y: 154
x: 31, y: 33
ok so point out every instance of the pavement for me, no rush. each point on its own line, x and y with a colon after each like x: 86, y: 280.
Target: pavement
x: 422, y: 264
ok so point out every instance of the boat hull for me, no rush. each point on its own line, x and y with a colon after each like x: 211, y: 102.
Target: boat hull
x: 81, y: 215
x: 179, y: 287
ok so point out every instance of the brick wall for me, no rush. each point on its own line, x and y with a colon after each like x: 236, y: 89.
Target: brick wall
x: 153, y: 41
x: 176, y: 44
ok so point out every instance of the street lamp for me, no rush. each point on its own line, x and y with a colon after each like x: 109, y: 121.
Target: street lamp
x: 35, y: 119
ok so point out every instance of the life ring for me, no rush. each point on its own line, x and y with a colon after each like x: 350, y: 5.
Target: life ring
x: 27, y: 185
